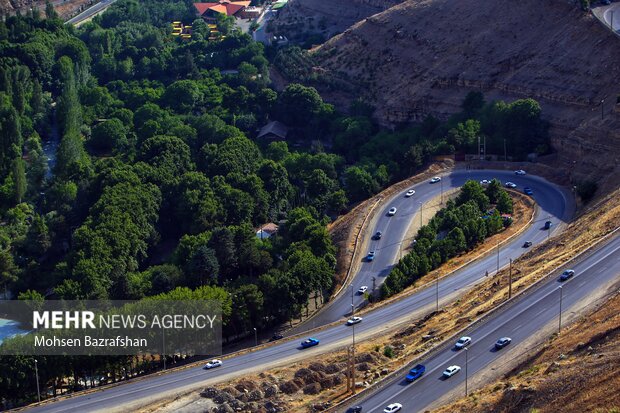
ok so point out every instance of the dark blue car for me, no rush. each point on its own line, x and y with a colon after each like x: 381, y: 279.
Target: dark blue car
x: 309, y: 342
x: 528, y: 191
x: 415, y: 373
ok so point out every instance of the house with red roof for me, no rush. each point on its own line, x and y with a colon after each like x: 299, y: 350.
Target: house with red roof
x: 208, y: 11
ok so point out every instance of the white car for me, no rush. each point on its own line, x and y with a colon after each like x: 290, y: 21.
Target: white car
x: 213, y: 363
x: 435, y: 179
x: 520, y: 172
x: 394, y: 407
x: 409, y: 193
x: 451, y: 371
x: 463, y: 341
x: 362, y: 289
x: 485, y: 182
x: 510, y: 185
x: 354, y: 320
x: 392, y: 211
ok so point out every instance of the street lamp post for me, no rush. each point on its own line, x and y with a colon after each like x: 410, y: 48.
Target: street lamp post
x: 353, y: 350
x: 602, y: 105
x: 255, y: 337
x: 510, y: 279
x: 36, y: 373
x: 421, y: 204
x: 163, y: 338
x: 466, y: 363
x: 437, y: 292
x: 560, y: 315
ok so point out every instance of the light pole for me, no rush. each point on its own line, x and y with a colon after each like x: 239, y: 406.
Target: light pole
x: 560, y: 315
x: 510, y: 280
x: 466, y: 363
x: 437, y: 292
x: 421, y: 204
x: 353, y: 350
x: 36, y: 373
x: 255, y: 337
x: 602, y: 105
x: 163, y: 338
x: 497, y: 271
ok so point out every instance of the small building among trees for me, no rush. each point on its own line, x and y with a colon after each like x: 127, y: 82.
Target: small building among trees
x: 273, y: 131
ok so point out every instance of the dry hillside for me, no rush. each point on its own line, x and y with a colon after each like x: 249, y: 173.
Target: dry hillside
x: 300, y: 17
x: 421, y: 57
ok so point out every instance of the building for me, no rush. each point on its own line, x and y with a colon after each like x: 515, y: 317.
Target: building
x: 267, y: 231
x: 274, y: 131
x: 184, y: 32
x: 209, y: 11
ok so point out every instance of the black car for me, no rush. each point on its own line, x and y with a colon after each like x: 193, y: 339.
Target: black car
x: 377, y: 235
x: 548, y: 224
x: 355, y: 409
x: 527, y: 244
x: 276, y: 336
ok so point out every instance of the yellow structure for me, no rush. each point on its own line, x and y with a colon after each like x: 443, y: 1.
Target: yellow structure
x: 185, y: 32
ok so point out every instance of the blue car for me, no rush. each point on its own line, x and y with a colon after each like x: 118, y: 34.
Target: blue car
x: 528, y: 191
x: 309, y: 342
x: 415, y: 373
x: 370, y: 256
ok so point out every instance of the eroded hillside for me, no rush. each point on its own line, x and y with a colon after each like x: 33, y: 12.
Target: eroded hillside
x: 302, y: 17
x: 421, y: 57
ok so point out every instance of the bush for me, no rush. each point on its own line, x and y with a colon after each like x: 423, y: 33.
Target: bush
x: 388, y: 352
x: 586, y: 190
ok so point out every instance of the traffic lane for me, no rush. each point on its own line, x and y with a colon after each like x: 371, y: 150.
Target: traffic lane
x: 519, y: 321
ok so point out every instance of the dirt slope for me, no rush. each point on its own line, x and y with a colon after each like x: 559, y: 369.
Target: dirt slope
x: 325, y: 17
x: 421, y: 57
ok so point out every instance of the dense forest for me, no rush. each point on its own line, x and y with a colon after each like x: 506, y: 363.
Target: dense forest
x: 159, y: 183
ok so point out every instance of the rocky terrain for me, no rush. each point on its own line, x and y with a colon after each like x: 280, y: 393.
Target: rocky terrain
x: 65, y: 8
x: 302, y: 17
x: 421, y: 57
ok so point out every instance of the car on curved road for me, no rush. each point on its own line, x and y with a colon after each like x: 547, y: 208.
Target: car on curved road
x: 548, y: 225
x: 310, y: 342
x: 362, y: 289
x: 462, y: 342
x: 502, y: 342
x: 451, y: 371
x: 392, y: 211
x: 485, y: 182
x: 409, y: 193
x: 377, y: 235
x: 528, y: 191
x: 394, y: 407
x: 354, y: 409
x: 567, y: 274
x: 510, y: 185
x: 527, y: 244
x: 354, y: 320
x: 520, y: 172
x: 370, y: 256
x: 435, y: 179
x: 213, y: 364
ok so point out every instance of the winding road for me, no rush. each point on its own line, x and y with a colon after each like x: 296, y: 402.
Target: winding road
x: 553, y: 203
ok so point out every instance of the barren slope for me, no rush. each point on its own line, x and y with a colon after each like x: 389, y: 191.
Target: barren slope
x: 326, y: 17
x: 422, y: 57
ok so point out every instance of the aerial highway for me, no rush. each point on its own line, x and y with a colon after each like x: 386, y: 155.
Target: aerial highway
x: 553, y: 203
x: 90, y: 12
x: 534, y: 313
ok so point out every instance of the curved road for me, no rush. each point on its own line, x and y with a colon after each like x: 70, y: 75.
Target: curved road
x: 552, y: 201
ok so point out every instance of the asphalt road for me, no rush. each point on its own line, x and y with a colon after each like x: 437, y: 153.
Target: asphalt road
x: 534, y: 313
x: 91, y: 11
x: 552, y: 201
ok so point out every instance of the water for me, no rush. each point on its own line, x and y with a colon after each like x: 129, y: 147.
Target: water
x: 49, y: 150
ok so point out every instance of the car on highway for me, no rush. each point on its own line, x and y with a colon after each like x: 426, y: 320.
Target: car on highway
x: 527, y: 244
x: 392, y: 211
x: 502, y: 342
x: 520, y: 172
x: 409, y: 193
x: 354, y: 320
x: 462, y: 342
x: 213, y: 364
x: 309, y: 342
x: 362, y: 289
x: 415, y: 373
x: 435, y: 179
x: 354, y: 409
x: 548, y: 224
x: 485, y: 182
x: 377, y: 235
x: 528, y: 191
x: 276, y: 336
x: 510, y: 185
x: 394, y: 407
x: 451, y: 371
x: 370, y: 256
x: 566, y: 275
